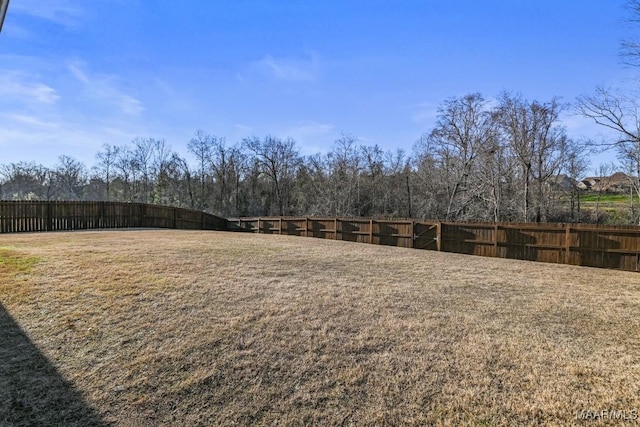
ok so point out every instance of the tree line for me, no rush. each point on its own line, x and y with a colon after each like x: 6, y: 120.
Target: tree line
x: 508, y: 159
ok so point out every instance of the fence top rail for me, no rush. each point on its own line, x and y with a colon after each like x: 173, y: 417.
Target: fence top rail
x: 141, y: 208
x: 61, y: 202
x: 551, y: 227
x: 314, y: 218
x: 102, y: 202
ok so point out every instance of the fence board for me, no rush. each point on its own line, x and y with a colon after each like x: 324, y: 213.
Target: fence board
x: 615, y: 247
x: 32, y: 216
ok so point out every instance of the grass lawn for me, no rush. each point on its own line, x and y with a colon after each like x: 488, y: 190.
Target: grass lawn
x: 163, y: 327
x: 607, y: 201
x: 607, y: 198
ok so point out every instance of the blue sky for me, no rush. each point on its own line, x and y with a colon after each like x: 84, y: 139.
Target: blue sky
x: 76, y: 74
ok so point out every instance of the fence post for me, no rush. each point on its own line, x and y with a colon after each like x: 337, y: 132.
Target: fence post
x: 335, y: 228
x: 259, y: 225
x: 306, y: 227
x: 142, y: 215
x: 280, y: 226
x: 496, y: 227
x: 371, y: 231
x: 101, y: 220
x: 49, y: 225
x: 567, y: 243
x: 413, y: 234
x: 175, y: 218
x: 439, y: 236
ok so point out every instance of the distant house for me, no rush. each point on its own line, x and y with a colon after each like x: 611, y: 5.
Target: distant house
x: 562, y: 182
x: 617, y: 183
x: 589, y: 183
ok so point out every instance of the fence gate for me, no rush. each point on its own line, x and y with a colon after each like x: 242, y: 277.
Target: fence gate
x: 425, y: 236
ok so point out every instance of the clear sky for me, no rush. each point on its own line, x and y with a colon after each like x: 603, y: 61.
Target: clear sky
x: 75, y: 74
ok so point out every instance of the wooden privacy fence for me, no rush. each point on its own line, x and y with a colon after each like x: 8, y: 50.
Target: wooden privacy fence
x: 615, y: 247
x: 24, y: 216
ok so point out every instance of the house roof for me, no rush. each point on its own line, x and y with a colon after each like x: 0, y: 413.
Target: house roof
x: 619, y: 177
x: 612, y: 182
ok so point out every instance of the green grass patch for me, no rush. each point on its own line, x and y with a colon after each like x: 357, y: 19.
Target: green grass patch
x: 607, y: 198
x: 12, y: 262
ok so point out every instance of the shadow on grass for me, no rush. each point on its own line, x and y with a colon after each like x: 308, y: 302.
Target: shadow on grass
x: 32, y: 391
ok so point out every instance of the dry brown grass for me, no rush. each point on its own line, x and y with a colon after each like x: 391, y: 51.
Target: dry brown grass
x: 210, y: 328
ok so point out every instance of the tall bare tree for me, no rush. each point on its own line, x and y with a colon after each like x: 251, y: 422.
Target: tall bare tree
x: 619, y: 113
x: 201, y: 147
x: 373, y: 177
x: 618, y: 110
x: 575, y: 167
x: 182, y: 181
x: 141, y: 160
x: 630, y: 46
x: 236, y: 168
x: 397, y: 191
x: 71, y: 176
x: 464, y: 131
x: 426, y: 186
x: 533, y: 132
x: 127, y: 173
x: 27, y: 180
x: 343, y: 166
x: 278, y: 159
x: 106, y: 165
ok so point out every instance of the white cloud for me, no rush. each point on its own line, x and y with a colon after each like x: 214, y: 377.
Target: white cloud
x: 306, y: 129
x: 26, y: 130
x: 312, y: 137
x: 290, y: 69
x: 121, y: 133
x: 243, y: 130
x: 44, y: 93
x: 67, y: 13
x: 130, y: 105
x: 75, y: 115
x: 21, y: 87
x: 78, y: 73
x: 43, y: 137
x: 173, y: 97
x: 105, y: 88
x: 28, y: 120
x: 16, y: 31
